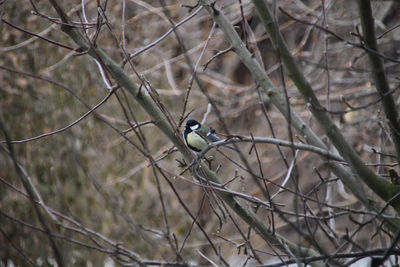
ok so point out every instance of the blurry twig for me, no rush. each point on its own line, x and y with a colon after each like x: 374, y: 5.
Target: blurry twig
x: 208, y: 259
x: 264, y: 182
x: 351, y: 108
x: 219, y: 53
x: 189, y: 87
x: 80, y: 229
x: 206, y: 113
x: 289, y: 173
x: 387, y: 31
x: 69, y: 125
x: 28, y: 185
x: 10, y: 241
x: 357, y: 45
x: 141, y: 50
x: 40, y: 36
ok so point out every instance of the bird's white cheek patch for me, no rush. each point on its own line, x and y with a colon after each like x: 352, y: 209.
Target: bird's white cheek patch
x: 194, y: 127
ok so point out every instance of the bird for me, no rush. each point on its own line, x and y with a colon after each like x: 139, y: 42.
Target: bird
x: 198, y: 136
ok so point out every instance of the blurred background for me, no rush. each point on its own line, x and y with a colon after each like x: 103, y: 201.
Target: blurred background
x: 92, y: 175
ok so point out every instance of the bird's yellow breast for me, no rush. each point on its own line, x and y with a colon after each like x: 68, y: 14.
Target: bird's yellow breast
x: 196, y: 141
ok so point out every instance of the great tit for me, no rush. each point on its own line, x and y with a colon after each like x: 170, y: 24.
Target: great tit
x: 197, y: 136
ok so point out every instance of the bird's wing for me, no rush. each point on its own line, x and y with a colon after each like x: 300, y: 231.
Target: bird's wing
x: 206, y: 132
x: 212, y: 137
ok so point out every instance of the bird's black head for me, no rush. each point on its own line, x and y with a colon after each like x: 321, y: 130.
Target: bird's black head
x: 192, y: 125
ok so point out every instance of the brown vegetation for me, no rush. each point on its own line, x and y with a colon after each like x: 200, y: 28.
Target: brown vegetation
x: 93, y: 102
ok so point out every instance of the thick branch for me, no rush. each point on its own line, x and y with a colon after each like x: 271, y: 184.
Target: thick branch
x: 380, y: 186
x: 161, y: 122
x: 379, y: 74
x: 279, y: 101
